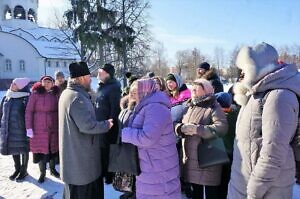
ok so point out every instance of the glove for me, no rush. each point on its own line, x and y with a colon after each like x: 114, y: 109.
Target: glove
x: 189, y: 129
x: 29, y: 133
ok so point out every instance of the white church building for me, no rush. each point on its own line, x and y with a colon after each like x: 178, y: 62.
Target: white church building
x: 27, y: 50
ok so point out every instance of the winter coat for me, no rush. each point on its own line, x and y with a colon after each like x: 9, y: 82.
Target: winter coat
x: 107, y: 106
x: 263, y: 160
x: 151, y: 130
x: 178, y: 105
x: 79, y: 143
x: 42, y: 117
x: 13, y: 139
x: 207, y: 114
x: 212, y: 76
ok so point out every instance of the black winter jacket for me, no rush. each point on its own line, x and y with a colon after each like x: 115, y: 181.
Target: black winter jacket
x: 13, y: 139
x: 107, y: 105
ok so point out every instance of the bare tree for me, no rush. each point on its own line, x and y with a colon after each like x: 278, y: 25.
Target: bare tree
x: 159, y: 64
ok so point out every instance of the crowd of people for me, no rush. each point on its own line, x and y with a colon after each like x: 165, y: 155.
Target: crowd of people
x: 63, y: 122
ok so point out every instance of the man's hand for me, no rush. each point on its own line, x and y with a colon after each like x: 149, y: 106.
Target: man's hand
x: 110, y: 123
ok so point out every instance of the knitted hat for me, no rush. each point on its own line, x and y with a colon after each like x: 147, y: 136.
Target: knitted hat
x: 78, y: 69
x: 224, y: 99
x: 47, y: 77
x: 171, y: 76
x: 257, y: 61
x: 59, y: 74
x: 150, y: 74
x: 110, y: 69
x: 204, y: 65
x: 21, y: 82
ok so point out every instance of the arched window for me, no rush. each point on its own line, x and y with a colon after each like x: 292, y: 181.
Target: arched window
x: 22, y: 65
x: 8, y: 65
x: 57, y: 64
x: 19, y: 12
x: 31, y: 15
x: 7, y: 13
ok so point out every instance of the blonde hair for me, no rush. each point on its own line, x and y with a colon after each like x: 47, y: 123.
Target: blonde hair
x: 205, y: 84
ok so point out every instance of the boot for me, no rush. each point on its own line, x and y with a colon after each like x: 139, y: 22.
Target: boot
x: 17, y: 167
x: 23, y: 170
x: 42, y: 166
x: 53, y: 171
x: 298, y: 172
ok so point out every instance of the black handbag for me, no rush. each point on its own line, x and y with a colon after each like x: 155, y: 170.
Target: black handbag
x: 212, y: 152
x: 123, y: 182
x: 123, y: 157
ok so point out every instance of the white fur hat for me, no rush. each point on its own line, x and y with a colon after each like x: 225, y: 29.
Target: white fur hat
x: 257, y: 61
x: 21, y: 82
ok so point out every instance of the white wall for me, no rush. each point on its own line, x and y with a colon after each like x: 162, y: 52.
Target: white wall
x: 16, y: 49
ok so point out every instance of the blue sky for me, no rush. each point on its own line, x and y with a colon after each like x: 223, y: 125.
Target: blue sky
x: 207, y: 24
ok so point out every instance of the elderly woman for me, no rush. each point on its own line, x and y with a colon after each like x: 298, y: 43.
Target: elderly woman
x: 42, y: 124
x: 13, y: 140
x: 150, y: 128
x: 204, y: 120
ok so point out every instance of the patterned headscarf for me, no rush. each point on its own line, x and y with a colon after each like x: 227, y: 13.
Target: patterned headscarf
x: 145, y: 87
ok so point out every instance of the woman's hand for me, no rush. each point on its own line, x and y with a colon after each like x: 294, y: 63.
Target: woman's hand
x: 189, y: 129
x: 29, y: 133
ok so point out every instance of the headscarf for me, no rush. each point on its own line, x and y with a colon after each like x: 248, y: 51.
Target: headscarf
x: 145, y: 87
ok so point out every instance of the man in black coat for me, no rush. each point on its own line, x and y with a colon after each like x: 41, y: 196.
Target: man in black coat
x: 107, y: 106
x: 206, y: 72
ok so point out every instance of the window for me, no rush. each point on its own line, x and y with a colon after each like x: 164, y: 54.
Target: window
x: 57, y: 64
x: 19, y: 12
x: 22, y: 65
x: 49, y: 64
x: 8, y: 65
x: 65, y: 64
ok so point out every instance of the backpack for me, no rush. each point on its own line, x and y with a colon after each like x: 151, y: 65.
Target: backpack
x: 295, y: 143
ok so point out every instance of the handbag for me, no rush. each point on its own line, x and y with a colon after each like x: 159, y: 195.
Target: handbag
x: 123, y: 182
x: 123, y: 157
x: 212, y: 152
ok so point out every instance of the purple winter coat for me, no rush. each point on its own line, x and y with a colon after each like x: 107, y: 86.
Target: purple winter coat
x: 151, y: 130
x: 42, y: 117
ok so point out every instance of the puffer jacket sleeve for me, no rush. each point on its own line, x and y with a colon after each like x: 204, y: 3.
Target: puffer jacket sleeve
x: 279, y: 121
x: 156, y: 116
x: 29, y: 112
x: 85, y: 120
x: 218, y: 126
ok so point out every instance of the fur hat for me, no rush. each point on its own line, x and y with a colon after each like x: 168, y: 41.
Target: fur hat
x: 204, y: 65
x: 78, y: 69
x: 21, y: 82
x: 110, y: 69
x: 256, y: 62
x: 224, y: 99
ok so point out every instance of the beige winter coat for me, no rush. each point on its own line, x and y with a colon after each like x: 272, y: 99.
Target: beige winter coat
x: 263, y: 161
x: 207, y: 113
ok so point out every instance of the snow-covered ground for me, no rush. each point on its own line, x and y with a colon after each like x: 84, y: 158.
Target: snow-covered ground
x: 52, y: 188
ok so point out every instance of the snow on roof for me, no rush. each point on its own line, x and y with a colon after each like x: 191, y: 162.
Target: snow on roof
x: 55, y: 45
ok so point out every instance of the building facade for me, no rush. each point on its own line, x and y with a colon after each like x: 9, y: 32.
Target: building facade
x: 28, y: 50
